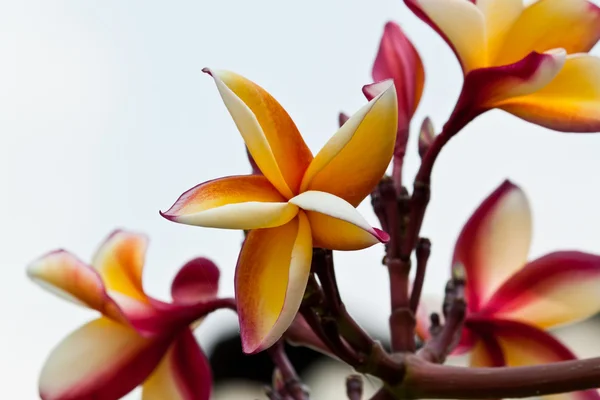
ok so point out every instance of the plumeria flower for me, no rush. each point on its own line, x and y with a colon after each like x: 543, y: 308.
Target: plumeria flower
x: 530, y: 61
x: 397, y: 59
x: 138, y: 339
x: 298, y: 202
x: 511, y: 301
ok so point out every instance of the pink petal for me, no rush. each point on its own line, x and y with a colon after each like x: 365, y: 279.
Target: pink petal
x: 103, y: 360
x: 183, y: 374
x: 197, y: 280
x: 557, y: 289
x: 494, y: 242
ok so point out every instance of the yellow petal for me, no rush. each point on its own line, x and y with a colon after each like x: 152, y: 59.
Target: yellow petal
x: 356, y: 157
x: 235, y: 202
x: 499, y: 16
x: 65, y: 275
x: 271, y: 276
x: 461, y: 24
x: 120, y: 263
x: 337, y: 225
x: 573, y: 25
x: 270, y: 134
x: 570, y: 102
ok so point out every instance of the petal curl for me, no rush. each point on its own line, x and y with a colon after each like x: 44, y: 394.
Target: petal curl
x: 183, y: 374
x: 271, y: 276
x: 120, y: 263
x: 197, y: 280
x: 66, y: 276
x: 398, y: 59
x: 494, y: 242
x: 570, y: 102
x: 557, y: 289
x: 356, y: 157
x: 573, y: 25
x: 103, y: 360
x: 524, y: 345
x: 235, y: 202
x: 460, y: 23
x: 270, y: 134
x: 335, y: 224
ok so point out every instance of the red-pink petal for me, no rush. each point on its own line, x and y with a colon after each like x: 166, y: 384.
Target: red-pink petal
x: 197, y: 280
x: 183, y: 374
x: 103, y: 360
x: 494, y: 242
x: 556, y: 289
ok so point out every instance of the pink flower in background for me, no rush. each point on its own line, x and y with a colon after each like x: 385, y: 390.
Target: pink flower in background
x: 138, y: 339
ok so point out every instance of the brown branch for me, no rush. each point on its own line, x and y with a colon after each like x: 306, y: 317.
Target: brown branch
x: 292, y: 384
x: 423, y: 251
x: 354, y: 387
x: 432, y: 381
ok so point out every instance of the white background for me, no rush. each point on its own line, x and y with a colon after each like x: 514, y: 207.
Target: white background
x: 105, y: 118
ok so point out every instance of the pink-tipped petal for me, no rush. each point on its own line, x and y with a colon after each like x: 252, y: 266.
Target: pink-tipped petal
x: 494, y: 242
x: 197, y: 280
x: 271, y: 276
x: 103, y: 360
x: 557, y: 289
x: 120, y: 263
x: 336, y: 224
x: 65, y: 275
x: 234, y: 202
x: 183, y: 374
x: 524, y: 345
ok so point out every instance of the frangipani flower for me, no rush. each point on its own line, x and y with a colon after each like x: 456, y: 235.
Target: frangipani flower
x: 137, y: 339
x: 530, y: 61
x: 397, y: 59
x: 299, y: 201
x: 512, y: 301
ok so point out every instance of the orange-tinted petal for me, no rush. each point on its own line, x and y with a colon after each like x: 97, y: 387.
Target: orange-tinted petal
x: 335, y: 224
x: 65, y: 275
x: 120, y: 263
x: 356, y: 157
x: 570, y: 102
x: 270, y: 134
x: 557, y: 289
x: 101, y: 360
x: 499, y: 16
x: 487, y: 353
x: 183, y: 374
x: 460, y: 23
x: 271, y: 276
x: 573, y: 25
x: 494, y: 242
x: 524, y: 345
x: 235, y: 202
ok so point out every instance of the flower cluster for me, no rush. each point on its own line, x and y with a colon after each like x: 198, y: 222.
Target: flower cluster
x: 531, y: 61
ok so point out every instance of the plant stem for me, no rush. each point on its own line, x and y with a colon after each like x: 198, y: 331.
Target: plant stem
x: 354, y: 387
x: 423, y: 251
x: 293, y: 385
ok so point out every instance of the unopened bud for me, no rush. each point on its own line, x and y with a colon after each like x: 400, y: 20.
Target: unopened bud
x: 426, y: 136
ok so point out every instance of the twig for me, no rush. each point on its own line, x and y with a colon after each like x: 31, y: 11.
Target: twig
x: 423, y: 251
x: 354, y: 387
x: 293, y: 385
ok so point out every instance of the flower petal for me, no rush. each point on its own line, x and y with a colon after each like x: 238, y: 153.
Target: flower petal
x: 570, y: 102
x: 460, y: 23
x: 197, y: 280
x: 397, y: 59
x: 270, y: 134
x: 235, y: 202
x: 556, y: 289
x: 573, y: 25
x: 335, y: 224
x: 487, y: 353
x: 183, y: 374
x: 524, y: 345
x: 271, y: 276
x: 499, y: 16
x: 494, y: 242
x: 102, y: 360
x: 487, y: 88
x: 65, y: 275
x: 356, y: 157
x: 120, y: 263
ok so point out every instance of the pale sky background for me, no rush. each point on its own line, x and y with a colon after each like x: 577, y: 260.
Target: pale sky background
x: 105, y: 118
